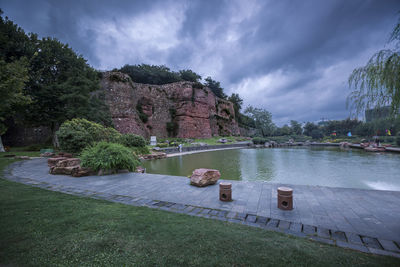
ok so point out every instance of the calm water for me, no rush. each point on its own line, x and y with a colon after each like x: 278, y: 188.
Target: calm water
x: 307, y: 166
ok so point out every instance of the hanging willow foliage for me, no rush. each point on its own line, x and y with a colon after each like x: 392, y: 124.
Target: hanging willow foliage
x: 377, y: 84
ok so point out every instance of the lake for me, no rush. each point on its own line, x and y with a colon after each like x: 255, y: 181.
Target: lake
x: 303, y: 165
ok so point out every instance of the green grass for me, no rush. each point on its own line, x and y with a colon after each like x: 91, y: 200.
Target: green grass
x: 45, y: 228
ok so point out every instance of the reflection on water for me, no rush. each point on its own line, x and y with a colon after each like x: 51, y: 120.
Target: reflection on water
x: 310, y: 166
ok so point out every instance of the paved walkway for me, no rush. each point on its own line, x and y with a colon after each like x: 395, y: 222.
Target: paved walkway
x: 354, y: 218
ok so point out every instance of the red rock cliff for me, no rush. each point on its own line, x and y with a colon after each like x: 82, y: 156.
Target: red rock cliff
x: 175, y: 109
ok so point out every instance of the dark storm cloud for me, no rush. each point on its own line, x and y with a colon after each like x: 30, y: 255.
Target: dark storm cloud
x: 290, y: 57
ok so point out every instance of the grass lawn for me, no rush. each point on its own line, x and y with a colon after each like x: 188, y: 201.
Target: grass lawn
x: 45, y: 228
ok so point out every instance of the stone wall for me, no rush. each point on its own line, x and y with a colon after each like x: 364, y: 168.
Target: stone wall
x: 148, y: 109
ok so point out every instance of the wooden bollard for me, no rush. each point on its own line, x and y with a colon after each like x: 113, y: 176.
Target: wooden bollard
x: 225, y: 191
x: 285, y: 198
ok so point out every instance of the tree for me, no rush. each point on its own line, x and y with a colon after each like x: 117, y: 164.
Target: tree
x: 215, y: 87
x: 285, y: 130
x: 237, y: 103
x: 151, y: 74
x: 60, y: 84
x: 262, y: 118
x: 61, y: 87
x: 309, y: 127
x: 377, y: 84
x: 316, y: 134
x: 189, y: 75
x: 296, y: 127
x: 13, y: 77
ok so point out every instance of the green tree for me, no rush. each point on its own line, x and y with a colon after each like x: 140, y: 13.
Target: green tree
x: 189, y: 75
x: 14, y: 42
x: 309, y: 127
x: 296, y: 127
x: 237, y: 103
x: 13, y: 77
x: 262, y: 119
x: 151, y: 74
x: 377, y: 84
x: 215, y: 87
x: 62, y: 86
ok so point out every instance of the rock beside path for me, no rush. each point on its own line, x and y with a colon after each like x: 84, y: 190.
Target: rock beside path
x: 203, y: 177
x: 68, y: 166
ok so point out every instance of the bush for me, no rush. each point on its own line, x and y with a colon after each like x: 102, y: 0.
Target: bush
x: 76, y: 134
x: 259, y: 141
x: 140, y: 150
x: 162, y: 145
x: 132, y: 140
x: 109, y: 157
x: 398, y: 140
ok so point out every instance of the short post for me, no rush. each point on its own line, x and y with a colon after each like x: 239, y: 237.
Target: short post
x: 285, y: 198
x: 225, y: 191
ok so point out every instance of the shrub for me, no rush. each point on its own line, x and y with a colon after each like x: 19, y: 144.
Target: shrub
x: 109, y: 157
x: 259, y: 141
x: 140, y: 150
x: 76, y: 134
x: 132, y: 140
x: 162, y: 145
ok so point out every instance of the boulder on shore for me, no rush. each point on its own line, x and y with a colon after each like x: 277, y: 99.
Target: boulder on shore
x: 203, y: 177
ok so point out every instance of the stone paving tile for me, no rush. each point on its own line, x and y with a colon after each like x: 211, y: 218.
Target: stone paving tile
x: 273, y: 223
x: 283, y: 224
x: 213, y: 212
x: 308, y: 229
x: 188, y: 209
x: 296, y: 227
x: 389, y: 245
x: 251, y: 218
x: 241, y: 216
x: 195, y: 211
x: 323, y: 232
x: 205, y: 211
x: 354, y: 238
x: 262, y: 220
x: 339, y: 236
x: 371, y: 242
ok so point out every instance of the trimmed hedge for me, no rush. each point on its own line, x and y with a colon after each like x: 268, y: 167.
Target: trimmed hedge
x: 109, y: 157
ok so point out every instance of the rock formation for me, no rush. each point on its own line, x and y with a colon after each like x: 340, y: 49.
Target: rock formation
x: 179, y: 109
x: 204, y: 177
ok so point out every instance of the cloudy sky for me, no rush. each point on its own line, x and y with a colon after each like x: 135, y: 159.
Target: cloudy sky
x: 290, y: 57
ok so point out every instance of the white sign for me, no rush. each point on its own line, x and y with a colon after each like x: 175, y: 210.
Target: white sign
x: 153, y: 140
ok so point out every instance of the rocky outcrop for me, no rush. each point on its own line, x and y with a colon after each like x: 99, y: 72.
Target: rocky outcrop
x: 68, y: 166
x: 204, y: 177
x: 177, y: 109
